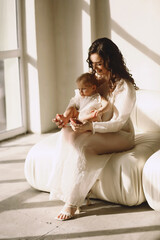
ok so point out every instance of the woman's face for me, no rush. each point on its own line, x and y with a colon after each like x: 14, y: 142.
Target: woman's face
x: 98, y: 65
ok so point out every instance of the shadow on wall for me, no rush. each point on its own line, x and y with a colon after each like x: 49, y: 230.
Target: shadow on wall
x: 77, y: 25
x: 72, y: 39
x: 102, y: 19
x: 105, y: 24
x: 134, y: 42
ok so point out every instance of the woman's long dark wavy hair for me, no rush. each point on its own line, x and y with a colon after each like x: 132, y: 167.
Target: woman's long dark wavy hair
x: 112, y: 58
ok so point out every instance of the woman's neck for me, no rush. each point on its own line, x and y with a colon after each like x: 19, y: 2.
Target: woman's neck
x: 105, y: 77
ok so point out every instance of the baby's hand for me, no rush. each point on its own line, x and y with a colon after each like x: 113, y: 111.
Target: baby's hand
x: 75, y: 121
x: 94, y: 113
x: 60, y: 120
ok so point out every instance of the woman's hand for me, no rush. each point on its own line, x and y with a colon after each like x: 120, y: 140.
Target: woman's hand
x: 60, y: 120
x: 80, y: 128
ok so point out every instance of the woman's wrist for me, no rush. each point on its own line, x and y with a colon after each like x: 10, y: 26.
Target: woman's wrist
x: 90, y: 126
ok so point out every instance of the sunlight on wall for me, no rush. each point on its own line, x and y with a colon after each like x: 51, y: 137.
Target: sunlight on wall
x: 137, y: 34
x: 66, y: 29
x: 86, y: 37
x: 34, y: 120
x: 72, y: 38
x: 34, y: 104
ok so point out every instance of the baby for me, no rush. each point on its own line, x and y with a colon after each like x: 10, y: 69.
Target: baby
x: 87, y: 104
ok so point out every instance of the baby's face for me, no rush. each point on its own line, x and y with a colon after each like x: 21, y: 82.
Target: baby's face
x: 86, y: 89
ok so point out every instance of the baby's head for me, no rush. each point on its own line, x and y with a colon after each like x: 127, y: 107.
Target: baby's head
x: 87, y: 84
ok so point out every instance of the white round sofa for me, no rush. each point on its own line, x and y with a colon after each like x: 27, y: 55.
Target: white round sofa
x: 128, y: 177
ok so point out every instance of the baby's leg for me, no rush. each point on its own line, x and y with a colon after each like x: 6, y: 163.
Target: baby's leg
x: 71, y: 112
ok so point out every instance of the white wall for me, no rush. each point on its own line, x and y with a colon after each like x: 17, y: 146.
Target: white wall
x: 39, y: 56
x: 72, y: 34
x: 31, y: 66
x: 135, y: 28
x: 64, y: 29
x: 46, y: 62
x: 57, y: 35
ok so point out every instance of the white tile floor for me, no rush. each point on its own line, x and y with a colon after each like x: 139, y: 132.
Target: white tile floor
x: 26, y: 213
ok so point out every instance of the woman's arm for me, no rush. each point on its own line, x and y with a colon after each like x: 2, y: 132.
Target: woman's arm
x: 80, y: 128
x: 124, y: 100
x: 104, y: 108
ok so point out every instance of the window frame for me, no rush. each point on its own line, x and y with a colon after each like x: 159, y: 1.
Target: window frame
x: 17, y: 53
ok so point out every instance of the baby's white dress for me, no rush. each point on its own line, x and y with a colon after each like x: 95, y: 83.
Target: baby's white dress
x: 80, y: 157
x: 86, y: 104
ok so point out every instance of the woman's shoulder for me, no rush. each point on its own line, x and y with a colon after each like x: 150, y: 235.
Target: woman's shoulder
x: 123, y: 84
x: 124, y: 88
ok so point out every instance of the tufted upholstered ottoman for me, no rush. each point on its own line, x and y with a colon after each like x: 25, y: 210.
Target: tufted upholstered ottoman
x: 121, y: 179
x: 151, y: 180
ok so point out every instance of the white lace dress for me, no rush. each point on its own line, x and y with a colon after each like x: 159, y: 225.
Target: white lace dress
x: 79, y: 158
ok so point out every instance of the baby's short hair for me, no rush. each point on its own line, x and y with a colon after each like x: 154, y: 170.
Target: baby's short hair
x: 87, y: 78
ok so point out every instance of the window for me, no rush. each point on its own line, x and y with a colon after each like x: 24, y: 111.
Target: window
x: 12, y: 107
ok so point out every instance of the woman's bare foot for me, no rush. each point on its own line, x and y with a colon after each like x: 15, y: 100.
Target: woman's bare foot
x: 67, y: 212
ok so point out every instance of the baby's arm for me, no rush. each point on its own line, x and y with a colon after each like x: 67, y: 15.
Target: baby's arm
x: 103, y: 108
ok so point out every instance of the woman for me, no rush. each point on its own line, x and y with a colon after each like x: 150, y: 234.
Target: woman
x: 81, y: 147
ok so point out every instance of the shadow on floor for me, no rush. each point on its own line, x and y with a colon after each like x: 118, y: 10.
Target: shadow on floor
x: 106, y: 208
x: 18, y: 201
x: 90, y: 234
